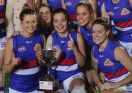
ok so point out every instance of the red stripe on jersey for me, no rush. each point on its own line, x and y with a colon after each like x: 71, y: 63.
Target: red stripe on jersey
x: 67, y: 61
x: 72, y: 17
x: 124, y: 24
x: 117, y: 74
x: 2, y: 15
x: 29, y: 64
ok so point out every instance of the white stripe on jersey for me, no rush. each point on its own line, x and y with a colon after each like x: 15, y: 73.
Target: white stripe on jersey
x: 66, y: 68
x: 118, y: 78
x: 27, y: 71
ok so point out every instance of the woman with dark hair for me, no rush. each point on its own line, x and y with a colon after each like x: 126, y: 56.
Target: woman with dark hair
x: 110, y: 58
x: 20, y: 58
x: 45, y: 19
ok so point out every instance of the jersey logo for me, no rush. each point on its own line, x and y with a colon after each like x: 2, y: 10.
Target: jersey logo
x: 125, y: 11
x: 1, y: 2
x: 22, y: 49
x: 68, y: 3
x: 108, y: 63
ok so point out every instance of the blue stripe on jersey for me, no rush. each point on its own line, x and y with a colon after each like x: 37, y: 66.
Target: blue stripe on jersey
x: 24, y: 83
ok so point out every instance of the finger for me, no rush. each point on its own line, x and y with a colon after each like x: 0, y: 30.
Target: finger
x: 71, y: 39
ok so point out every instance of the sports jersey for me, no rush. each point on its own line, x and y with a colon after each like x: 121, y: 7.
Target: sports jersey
x: 55, y: 4
x: 67, y: 66
x: 71, y: 8
x: 121, y: 14
x: 87, y: 34
x: 113, y: 70
x: 24, y: 77
x: 100, y: 2
x: 2, y: 18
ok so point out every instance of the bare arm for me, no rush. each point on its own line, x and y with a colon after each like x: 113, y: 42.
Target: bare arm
x: 9, y: 17
x: 79, y: 50
x: 103, y: 11
x: 95, y: 73
x: 45, y: 1
x: 63, y: 4
x: 122, y: 55
x: 9, y: 60
x: 130, y: 2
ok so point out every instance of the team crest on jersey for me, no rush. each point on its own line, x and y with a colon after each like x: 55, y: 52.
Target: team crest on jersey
x: 108, y: 63
x: 68, y: 3
x: 125, y: 11
x: 22, y: 49
x: 1, y: 2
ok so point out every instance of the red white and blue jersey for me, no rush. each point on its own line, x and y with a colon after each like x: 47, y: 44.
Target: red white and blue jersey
x: 24, y: 77
x: 55, y: 4
x: 67, y: 66
x: 71, y: 8
x: 121, y: 14
x: 2, y: 18
x: 113, y: 70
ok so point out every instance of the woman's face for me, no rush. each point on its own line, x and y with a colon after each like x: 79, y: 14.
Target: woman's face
x: 99, y: 34
x: 60, y: 22
x: 29, y: 23
x: 45, y: 14
x: 83, y: 15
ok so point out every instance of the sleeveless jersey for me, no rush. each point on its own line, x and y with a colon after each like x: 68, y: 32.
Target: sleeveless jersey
x: 24, y: 77
x: 100, y: 2
x: 87, y: 34
x: 121, y: 14
x: 113, y: 70
x: 55, y: 4
x: 71, y: 8
x: 67, y: 66
x: 2, y: 18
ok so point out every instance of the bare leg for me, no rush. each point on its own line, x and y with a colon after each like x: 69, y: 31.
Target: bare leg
x: 1, y: 72
x: 113, y: 91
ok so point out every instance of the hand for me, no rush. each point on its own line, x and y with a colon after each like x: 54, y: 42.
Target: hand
x: 32, y: 4
x: 108, y: 85
x: 57, y: 52
x: 15, y: 61
x: 71, y: 44
x: 15, y: 33
x: 38, y: 51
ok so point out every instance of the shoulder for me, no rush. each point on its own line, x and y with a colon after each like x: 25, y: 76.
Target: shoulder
x: 120, y: 52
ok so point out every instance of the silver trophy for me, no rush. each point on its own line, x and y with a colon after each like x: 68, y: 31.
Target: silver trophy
x: 48, y: 83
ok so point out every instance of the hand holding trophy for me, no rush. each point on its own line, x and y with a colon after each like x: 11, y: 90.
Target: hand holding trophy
x: 50, y: 57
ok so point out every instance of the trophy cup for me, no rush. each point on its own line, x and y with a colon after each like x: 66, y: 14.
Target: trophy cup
x: 48, y: 83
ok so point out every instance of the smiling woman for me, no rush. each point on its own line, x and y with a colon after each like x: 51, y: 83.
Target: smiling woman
x: 110, y: 58
x: 20, y: 58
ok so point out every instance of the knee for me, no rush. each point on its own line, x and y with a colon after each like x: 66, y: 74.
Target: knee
x: 79, y: 89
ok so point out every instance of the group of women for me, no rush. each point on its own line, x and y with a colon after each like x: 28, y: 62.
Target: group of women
x: 87, y: 51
